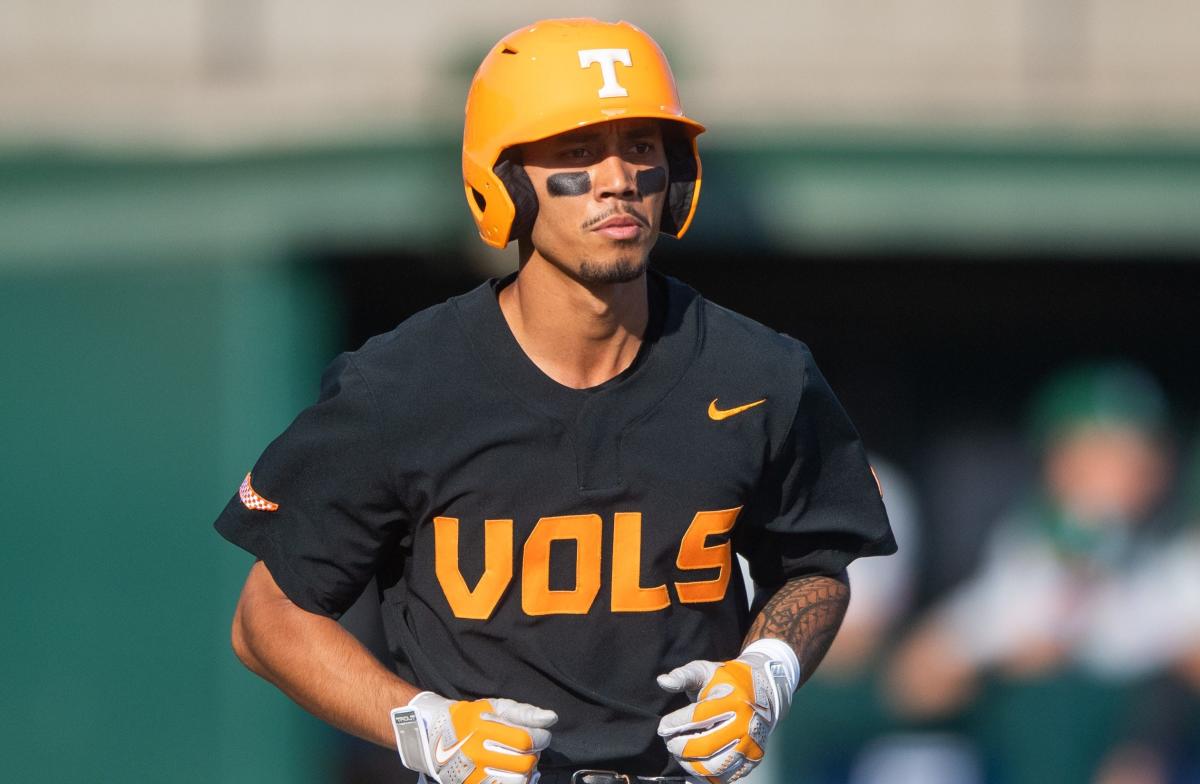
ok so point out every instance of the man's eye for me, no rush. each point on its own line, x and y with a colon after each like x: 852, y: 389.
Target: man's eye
x: 578, y: 152
x: 643, y: 148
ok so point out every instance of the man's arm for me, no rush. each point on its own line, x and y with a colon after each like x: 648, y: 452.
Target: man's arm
x: 804, y: 612
x: 315, y: 661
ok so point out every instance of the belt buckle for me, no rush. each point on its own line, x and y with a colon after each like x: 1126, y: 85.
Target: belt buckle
x: 578, y: 776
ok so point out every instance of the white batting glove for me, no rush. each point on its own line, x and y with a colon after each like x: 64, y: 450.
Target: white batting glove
x: 736, y: 704
x: 495, y: 741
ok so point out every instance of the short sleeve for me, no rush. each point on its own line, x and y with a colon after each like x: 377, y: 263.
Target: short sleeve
x: 819, y: 506
x: 318, y: 508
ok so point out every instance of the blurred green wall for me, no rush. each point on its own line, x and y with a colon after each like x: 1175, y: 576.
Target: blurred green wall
x: 135, y: 398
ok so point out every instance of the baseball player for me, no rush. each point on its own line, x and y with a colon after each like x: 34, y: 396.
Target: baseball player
x: 549, y: 476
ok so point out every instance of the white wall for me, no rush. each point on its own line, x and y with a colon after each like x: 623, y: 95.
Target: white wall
x: 236, y: 72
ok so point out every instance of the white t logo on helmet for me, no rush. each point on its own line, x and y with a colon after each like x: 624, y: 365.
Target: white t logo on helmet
x: 607, y: 57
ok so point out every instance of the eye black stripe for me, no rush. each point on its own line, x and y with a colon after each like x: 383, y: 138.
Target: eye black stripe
x: 568, y: 184
x: 652, y: 181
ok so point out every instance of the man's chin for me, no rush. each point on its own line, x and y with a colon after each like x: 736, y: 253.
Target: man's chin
x: 623, y: 269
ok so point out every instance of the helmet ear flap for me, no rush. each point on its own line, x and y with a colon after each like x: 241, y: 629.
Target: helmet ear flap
x: 681, y: 179
x: 520, y: 190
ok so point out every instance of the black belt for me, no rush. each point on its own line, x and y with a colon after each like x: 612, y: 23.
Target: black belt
x: 605, y: 777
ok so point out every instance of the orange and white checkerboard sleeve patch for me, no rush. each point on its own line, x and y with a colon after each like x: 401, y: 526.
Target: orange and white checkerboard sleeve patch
x: 252, y: 500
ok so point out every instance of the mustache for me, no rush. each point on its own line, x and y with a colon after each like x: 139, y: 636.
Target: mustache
x: 598, y: 219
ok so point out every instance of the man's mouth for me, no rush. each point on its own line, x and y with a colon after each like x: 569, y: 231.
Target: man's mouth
x: 619, y: 227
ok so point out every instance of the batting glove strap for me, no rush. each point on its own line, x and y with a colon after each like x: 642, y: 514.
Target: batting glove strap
x: 494, y: 741
x: 721, y: 736
x: 782, y: 664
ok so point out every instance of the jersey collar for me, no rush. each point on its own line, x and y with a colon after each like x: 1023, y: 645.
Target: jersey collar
x: 670, y: 344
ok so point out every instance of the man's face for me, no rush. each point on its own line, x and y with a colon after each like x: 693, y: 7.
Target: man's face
x: 600, y: 196
x: 1106, y: 474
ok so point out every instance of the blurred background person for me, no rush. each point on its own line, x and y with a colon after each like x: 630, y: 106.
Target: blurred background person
x: 1061, y: 615
x: 1160, y: 739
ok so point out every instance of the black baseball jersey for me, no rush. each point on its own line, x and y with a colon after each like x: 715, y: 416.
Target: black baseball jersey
x: 557, y: 546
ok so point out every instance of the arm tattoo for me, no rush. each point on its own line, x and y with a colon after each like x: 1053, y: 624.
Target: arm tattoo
x: 805, y: 613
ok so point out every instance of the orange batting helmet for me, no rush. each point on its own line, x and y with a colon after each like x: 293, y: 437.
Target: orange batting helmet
x: 552, y: 77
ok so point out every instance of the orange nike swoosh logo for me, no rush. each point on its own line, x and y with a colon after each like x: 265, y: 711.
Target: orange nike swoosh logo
x: 717, y: 414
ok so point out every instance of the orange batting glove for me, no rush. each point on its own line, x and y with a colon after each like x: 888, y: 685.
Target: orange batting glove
x: 721, y: 736
x: 497, y: 741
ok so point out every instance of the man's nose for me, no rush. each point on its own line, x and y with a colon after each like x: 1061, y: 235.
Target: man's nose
x: 614, y: 177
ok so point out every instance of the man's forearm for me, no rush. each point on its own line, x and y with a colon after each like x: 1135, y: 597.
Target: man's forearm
x: 316, y: 662
x: 806, y: 613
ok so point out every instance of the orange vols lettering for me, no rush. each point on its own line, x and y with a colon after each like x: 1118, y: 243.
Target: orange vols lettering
x: 536, y: 596
x: 695, y: 554
x: 627, y: 593
x: 587, y: 531
x: 497, y: 567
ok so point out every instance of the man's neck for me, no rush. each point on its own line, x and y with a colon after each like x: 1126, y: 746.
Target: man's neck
x: 579, y: 335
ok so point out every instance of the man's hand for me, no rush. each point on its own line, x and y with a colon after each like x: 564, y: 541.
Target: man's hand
x: 721, y: 736
x: 460, y: 742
